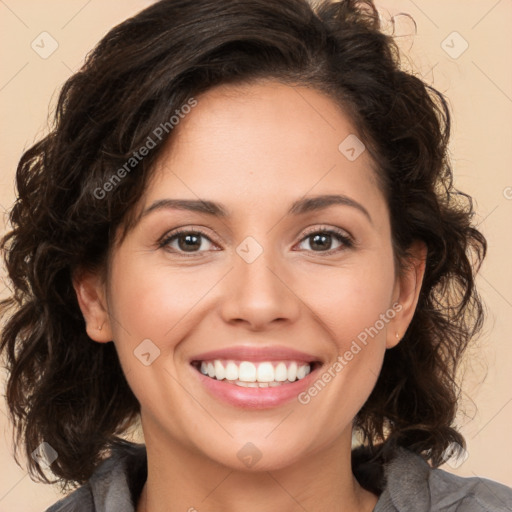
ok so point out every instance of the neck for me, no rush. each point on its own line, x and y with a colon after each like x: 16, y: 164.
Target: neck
x: 183, y: 479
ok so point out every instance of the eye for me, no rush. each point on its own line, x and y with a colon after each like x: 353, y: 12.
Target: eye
x: 322, y: 239
x: 188, y: 241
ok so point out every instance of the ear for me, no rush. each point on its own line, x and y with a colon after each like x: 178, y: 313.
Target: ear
x: 91, y: 295
x: 406, y: 292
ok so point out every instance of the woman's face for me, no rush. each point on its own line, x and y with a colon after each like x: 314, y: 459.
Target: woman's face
x: 277, y: 273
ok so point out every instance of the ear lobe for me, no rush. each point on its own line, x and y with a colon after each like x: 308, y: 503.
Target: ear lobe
x: 91, y: 296
x: 407, y: 292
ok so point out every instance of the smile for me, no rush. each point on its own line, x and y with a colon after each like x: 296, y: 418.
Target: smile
x: 255, y: 384
x: 254, y: 374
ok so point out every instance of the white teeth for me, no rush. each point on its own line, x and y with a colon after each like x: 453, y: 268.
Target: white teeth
x: 256, y: 384
x: 301, y: 372
x: 292, y: 371
x: 265, y: 372
x: 281, y: 372
x: 231, y: 371
x: 220, y: 373
x: 248, y: 374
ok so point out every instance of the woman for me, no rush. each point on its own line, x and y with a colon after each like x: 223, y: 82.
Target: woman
x: 243, y: 230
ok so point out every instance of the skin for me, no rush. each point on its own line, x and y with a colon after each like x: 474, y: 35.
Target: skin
x: 247, y: 146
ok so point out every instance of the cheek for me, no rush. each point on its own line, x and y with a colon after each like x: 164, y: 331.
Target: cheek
x: 151, y: 302
x: 350, y: 299
x: 152, y: 308
x: 354, y: 309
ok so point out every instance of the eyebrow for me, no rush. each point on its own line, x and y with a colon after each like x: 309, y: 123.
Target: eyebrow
x: 299, y: 207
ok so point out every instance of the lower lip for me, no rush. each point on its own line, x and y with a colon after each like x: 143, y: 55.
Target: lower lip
x: 256, y: 398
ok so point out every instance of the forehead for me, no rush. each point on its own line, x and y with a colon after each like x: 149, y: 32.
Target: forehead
x: 241, y: 144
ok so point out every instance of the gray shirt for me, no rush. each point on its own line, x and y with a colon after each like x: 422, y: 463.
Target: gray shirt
x: 404, y: 484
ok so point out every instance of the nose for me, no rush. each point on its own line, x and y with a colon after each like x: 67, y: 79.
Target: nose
x: 260, y: 293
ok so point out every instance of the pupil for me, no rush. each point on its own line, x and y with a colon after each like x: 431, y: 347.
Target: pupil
x: 187, y: 245
x: 322, y: 237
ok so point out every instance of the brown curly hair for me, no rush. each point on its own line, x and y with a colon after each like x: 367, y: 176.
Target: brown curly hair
x: 72, y: 393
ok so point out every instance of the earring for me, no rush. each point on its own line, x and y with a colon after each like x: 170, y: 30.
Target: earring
x: 101, y: 326
x: 397, y: 336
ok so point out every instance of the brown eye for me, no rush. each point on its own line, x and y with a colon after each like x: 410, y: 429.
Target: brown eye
x: 187, y: 241
x: 322, y: 241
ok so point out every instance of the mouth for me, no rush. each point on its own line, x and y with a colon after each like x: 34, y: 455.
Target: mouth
x: 255, y: 377
x: 255, y: 374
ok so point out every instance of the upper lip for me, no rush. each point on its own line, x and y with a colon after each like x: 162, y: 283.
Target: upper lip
x: 252, y: 353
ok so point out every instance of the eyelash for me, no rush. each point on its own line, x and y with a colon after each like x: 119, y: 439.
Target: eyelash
x: 344, y: 238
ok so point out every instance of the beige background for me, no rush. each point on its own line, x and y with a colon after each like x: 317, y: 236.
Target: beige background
x: 478, y: 83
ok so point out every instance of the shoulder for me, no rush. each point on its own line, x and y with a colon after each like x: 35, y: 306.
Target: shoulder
x: 114, y: 486
x: 412, y: 485
x: 80, y: 499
